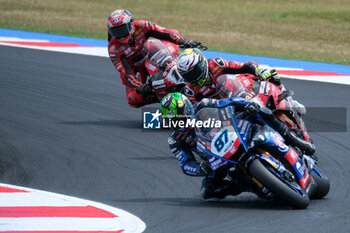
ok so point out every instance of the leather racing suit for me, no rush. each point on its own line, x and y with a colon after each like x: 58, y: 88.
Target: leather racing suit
x: 128, y: 59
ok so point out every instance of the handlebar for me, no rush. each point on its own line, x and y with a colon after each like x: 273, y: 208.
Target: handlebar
x: 202, y: 47
x: 199, y: 46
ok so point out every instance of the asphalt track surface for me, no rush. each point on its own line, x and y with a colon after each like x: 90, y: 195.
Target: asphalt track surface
x: 65, y: 127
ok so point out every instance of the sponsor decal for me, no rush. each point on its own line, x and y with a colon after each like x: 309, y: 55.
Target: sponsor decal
x: 267, y: 89
x: 219, y: 61
x: 138, y: 31
x: 188, y: 91
x: 305, y: 180
x: 113, y: 49
x: 117, y: 20
x: 128, y: 52
x: 291, y: 157
x: 158, y: 82
x: 262, y: 87
x: 244, y: 127
x: 217, y: 163
x: 159, y: 86
x: 171, y: 49
x: 171, y: 141
x: 206, y: 91
x: 279, y: 141
x: 215, y: 69
x: 246, y: 82
x: 151, y: 67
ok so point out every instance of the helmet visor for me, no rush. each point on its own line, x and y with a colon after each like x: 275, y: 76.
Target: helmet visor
x: 121, y: 31
x: 195, y: 76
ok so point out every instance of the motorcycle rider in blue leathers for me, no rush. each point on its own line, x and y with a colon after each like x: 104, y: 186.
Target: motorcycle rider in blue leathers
x: 182, y: 141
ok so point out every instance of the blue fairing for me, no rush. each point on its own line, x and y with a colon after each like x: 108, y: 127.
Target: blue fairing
x: 243, y: 127
x: 226, y: 102
x: 202, y: 150
x: 239, y: 132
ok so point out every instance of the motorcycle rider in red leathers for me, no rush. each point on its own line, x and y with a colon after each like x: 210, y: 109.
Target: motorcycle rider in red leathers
x: 126, y: 38
x: 201, y: 76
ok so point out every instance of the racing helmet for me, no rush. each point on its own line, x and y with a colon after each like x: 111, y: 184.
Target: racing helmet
x: 193, y: 67
x: 120, y: 25
x: 176, y: 107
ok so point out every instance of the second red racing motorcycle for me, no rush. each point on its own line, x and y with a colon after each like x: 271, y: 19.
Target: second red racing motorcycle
x: 269, y: 94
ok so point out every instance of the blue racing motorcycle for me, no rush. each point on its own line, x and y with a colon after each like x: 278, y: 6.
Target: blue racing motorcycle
x: 258, y: 155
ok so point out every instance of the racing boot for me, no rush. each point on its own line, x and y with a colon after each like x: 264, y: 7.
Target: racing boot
x: 292, y: 139
x: 215, y: 192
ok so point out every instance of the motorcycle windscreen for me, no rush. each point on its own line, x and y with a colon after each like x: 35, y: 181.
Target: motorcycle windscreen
x: 157, y: 52
x: 229, y: 86
x: 218, y: 131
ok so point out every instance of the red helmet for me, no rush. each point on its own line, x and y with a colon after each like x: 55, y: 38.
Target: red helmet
x: 120, y: 25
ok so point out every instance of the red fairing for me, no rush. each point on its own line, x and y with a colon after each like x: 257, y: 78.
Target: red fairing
x: 161, y: 65
x: 158, y: 47
x: 305, y: 180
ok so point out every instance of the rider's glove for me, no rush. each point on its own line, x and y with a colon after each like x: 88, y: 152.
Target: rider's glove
x: 265, y: 73
x: 133, y: 81
x: 145, y: 89
x: 204, y: 169
x: 250, y: 111
x: 190, y: 44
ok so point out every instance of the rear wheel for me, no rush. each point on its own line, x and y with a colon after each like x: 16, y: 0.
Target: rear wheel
x: 298, y: 200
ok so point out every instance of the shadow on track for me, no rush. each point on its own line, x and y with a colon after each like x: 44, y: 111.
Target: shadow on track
x: 241, y: 202
x: 153, y: 158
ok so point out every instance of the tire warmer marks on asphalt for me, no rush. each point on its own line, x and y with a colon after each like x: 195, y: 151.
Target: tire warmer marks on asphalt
x: 24, y: 210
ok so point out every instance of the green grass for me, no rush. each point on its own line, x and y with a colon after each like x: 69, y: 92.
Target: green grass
x: 295, y: 29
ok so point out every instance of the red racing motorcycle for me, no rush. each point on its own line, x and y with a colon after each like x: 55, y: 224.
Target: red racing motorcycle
x: 266, y: 93
x: 284, y: 107
x: 160, y: 62
x: 161, y: 66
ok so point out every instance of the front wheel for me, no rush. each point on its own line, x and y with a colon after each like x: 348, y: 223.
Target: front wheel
x: 322, y: 188
x: 276, y: 186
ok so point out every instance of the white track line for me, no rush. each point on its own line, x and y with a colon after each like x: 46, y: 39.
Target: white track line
x: 34, y: 199
x: 60, y: 224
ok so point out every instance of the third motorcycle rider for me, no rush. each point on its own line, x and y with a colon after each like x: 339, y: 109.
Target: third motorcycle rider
x: 126, y: 38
